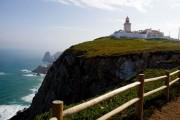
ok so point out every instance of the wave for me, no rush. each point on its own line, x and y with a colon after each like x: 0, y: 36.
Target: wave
x: 29, y: 75
x: 2, y: 73
x: 26, y: 71
x: 8, y: 111
x: 34, y: 90
x: 30, y: 97
x: 42, y: 75
x: 34, y: 74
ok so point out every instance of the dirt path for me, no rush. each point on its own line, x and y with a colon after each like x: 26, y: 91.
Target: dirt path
x: 169, y: 112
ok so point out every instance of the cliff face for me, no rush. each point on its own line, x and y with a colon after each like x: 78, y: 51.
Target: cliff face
x: 73, y: 78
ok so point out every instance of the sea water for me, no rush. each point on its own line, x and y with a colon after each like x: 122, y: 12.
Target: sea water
x: 18, y: 84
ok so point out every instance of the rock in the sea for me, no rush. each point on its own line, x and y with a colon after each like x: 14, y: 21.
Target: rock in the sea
x: 47, y: 58
x: 41, y: 69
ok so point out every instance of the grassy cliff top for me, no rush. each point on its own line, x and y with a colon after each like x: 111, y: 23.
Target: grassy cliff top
x: 109, y: 46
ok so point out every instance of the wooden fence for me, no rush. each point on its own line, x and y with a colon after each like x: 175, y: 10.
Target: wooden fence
x: 59, y: 113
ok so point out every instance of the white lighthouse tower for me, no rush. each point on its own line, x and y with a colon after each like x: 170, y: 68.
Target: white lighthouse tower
x: 127, y: 25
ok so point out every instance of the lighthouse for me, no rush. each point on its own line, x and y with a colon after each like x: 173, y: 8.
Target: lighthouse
x: 144, y: 34
x: 127, y: 25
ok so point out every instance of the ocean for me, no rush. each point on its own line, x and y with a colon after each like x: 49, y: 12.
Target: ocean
x: 18, y: 84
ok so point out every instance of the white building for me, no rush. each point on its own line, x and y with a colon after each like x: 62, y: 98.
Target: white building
x: 146, y: 34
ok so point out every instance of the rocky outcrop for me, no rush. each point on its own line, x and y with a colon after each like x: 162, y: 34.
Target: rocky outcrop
x: 73, y: 78
x: 47, y: 58
x: 41, y: 69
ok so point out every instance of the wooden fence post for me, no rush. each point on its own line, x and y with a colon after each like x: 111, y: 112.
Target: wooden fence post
x: 179, y: 75
x: 57, y: 109
x: 140, y: 103
x: 54, y: 118
x: 167, y: 80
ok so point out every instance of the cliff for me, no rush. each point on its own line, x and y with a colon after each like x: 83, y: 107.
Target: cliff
x: 89, y: 69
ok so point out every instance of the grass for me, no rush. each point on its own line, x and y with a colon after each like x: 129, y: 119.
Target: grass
x: 151, y: 102
x: 109, y: 46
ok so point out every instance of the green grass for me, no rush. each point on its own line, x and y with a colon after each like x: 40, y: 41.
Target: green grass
x: 151, y: 102
x: 109, y: 46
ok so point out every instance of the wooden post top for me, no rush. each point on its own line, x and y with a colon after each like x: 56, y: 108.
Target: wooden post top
x: 57, y: 102
x: 141, y: 78
x: 54, y: 118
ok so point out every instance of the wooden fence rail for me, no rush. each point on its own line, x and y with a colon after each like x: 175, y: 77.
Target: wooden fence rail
x: 59, y: 113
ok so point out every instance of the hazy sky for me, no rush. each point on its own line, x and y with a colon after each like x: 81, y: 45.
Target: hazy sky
x: 58, y: 24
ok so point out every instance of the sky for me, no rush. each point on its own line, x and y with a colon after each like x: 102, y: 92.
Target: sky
x: 55, y: 25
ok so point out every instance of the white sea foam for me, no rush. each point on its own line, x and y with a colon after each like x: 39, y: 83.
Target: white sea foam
x: 29, y: 75
x: 7, y: 111
x: 2, y: 73
x: 34, y: 90
x: 28, y: 98
x: 26, y: 71
x: 42, y: 75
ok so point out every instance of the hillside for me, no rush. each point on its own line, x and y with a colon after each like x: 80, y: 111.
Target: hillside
x: 109, y: 46
x: 153, y: 102
x: 92, y: 68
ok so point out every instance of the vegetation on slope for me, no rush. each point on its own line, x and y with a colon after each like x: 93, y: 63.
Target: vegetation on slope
x: 151, y: 102
x: 109, y: 46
